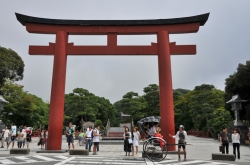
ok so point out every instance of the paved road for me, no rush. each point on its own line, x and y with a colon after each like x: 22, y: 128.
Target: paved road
x: 94, y: 160
x: 199, y: 153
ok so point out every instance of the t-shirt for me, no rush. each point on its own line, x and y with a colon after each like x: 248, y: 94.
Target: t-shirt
x: 182, y: 136
x: 96, y: 138
x: 6, y: 133
x: 24, y: 133
x: 82, y: 134
x: 71, y: 131
x: 235, y: 138
x: 223, y: 135
x: 88, y: 134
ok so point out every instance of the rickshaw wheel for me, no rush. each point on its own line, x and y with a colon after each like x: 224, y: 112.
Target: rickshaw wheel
x: 153, y: 151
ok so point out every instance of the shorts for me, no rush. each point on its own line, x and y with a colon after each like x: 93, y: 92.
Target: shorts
x: 70, y: 139
x: 80, y: 138
x: 181, y: 145
x: 96, y: 143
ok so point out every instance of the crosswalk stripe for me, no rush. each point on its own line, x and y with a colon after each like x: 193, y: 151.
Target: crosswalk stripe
x: 27, y: 160
x: 6, y: 161
x: 191, y: 162
x: 62, y: 157
x: 44, y: 158
x: 65, y: 161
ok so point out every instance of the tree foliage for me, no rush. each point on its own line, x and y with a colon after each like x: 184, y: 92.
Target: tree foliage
x: 199, y: 109
x: 81, y: 104
x: 23, y: 108
x: 11, y: 66
x: 239, y: 83
x: 134, y: 105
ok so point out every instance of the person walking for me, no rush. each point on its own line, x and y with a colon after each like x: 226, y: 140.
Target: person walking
x: 224, y: 140
x: 136, y: 141
x: 96, y: 138
x: 127, y: 141
x: 236, y: 143
x: 182, y: 140
x: 88, y: 139
x: 70, y: 133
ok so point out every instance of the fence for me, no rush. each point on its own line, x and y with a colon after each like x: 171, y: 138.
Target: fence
x: 199, y: 133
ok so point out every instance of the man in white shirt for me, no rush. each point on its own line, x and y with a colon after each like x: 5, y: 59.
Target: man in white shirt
x: 96, y: 138
x: 88, y: 137
x: 182, y: 137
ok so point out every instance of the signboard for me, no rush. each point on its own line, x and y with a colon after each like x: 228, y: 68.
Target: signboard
x: 13, y: 129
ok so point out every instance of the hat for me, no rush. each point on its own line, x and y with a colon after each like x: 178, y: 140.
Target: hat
x: 3, y: 130
x: 181, y: 126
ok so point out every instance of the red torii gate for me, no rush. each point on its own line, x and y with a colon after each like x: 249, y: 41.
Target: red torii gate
x: 61, y: 48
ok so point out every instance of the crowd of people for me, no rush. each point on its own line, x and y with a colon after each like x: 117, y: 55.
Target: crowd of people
x: 21, y: 137
x: 91, y: 136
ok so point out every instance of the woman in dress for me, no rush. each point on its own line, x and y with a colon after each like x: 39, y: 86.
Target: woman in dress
x: 236, y: 143
x: 127, y: 138
x: 42, y: 138
x: 136, y: 141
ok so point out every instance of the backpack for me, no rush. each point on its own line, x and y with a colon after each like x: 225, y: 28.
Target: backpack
x: 92, y: 134
x: 181, y: 137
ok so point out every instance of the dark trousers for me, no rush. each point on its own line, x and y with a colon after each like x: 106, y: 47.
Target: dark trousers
x: 236, y: 145
x: 225, y: 145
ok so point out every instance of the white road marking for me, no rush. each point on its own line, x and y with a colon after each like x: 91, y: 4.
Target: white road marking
x: 28, y: 160
x: 65, y: 161
x: 44, y: 158
x: 6, y: 161
x: 62, y: 157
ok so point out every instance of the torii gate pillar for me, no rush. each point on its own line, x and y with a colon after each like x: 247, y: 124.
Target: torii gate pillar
x: 56, y: 113
x: 166, y: 90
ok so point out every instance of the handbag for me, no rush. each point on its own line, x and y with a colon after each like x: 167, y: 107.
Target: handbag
x: 130, y: 141
x: 222, y: 149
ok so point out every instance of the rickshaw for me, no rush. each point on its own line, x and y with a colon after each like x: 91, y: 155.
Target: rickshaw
x: 154, y: 148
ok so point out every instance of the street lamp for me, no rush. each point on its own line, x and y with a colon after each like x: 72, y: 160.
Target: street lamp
x: 236, y: 107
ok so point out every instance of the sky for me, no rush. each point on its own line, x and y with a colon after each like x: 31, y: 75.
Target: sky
x: 222, y: 43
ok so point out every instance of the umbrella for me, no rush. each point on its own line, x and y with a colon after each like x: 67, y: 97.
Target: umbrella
x: 154, y: 119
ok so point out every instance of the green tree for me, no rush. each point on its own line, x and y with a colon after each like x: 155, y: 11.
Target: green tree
x: 118, y: 117
x: 81, y: 104
x: 99, y: 123
x: 151, y: 95
x: 239, y: 83
x: 133, y: 105
x: 11, y: 66
x: 23, y: 108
